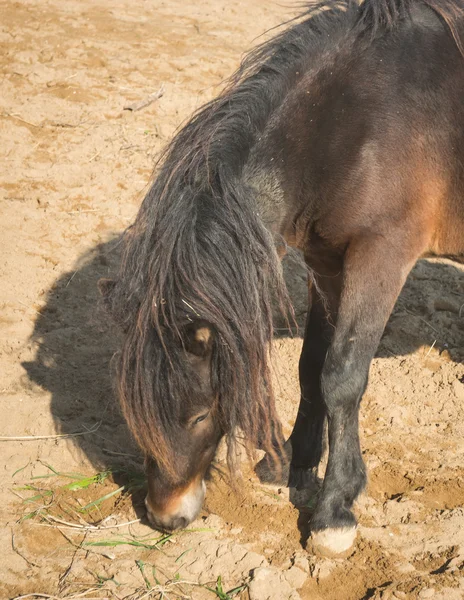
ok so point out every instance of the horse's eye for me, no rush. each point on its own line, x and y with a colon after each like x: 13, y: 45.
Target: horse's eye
x: 200, y: 419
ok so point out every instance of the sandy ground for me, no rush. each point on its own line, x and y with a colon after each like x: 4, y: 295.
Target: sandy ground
x: 75, y: 166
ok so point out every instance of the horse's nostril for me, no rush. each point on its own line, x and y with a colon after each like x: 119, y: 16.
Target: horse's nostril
x: 179, y: 523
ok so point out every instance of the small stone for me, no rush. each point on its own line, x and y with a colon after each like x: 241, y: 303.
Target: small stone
x: 399, y: 595
x: 443, y: 304
x: 302, y: 563
x: 323, y: 569
x: 296, y: 577
x: 427, y: 593
x: 263, y: 573
x: 445, y: 355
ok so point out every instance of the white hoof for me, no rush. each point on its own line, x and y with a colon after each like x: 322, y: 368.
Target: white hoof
x: 332, y: 542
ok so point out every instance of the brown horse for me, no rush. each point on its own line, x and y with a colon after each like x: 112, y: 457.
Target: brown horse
x: 344, y: 137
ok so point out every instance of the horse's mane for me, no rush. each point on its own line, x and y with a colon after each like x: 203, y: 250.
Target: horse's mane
x: 198, y: 248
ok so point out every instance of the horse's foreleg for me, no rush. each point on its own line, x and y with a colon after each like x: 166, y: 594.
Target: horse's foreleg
x: 303, y: 449
x: 307, y: 436
x: 374, y: 272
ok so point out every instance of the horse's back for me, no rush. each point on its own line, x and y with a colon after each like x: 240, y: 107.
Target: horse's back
x: 373, y: 136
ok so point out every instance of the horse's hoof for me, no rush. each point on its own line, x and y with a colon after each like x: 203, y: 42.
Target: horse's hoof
x: 332, y: 543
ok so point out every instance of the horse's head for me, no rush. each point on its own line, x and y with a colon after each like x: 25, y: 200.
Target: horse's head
x: 175, y: 494
x: 169, y: 399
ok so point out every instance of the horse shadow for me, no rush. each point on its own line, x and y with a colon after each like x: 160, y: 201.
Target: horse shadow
x: 77, y: 341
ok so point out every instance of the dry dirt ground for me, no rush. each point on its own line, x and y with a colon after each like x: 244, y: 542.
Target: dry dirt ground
x: 75, y: 166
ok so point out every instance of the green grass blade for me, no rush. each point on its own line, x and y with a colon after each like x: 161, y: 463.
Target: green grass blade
x: 30, y: 515
x: 50, y: 467
x: 100, y: 500
x: 20, y: 469
x: 158, y: 542
x: 28, y: 487
x: 107, y: 543
x: 38, y: 497
x: 155, y: 578
x: 64, y: 475
x: 236, y: 590
x: 141, y: 566
x: 183, y: 554
x: 85, y: 482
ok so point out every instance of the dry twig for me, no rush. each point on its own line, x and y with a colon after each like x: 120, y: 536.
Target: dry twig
x: 86, y: 527
x: 26, y: 438
x: 144, y: 103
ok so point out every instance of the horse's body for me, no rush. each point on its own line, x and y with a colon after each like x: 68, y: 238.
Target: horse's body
x: 344, y: 137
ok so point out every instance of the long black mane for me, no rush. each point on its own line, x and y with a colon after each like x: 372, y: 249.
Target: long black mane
x: 199, y: 249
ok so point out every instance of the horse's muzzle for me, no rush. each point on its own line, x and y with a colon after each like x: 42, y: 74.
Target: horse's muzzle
x: 179, y: 510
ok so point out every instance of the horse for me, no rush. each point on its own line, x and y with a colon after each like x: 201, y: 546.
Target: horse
x: 343, y: 137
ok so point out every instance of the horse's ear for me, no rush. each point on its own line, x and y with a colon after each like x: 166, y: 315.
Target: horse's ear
x: 106, y: 286
x: 199, y: 339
